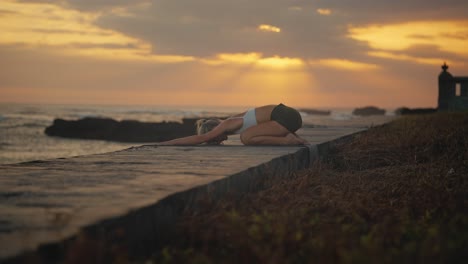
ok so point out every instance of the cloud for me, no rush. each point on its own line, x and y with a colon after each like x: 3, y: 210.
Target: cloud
x: 69, y: 32
x: 269, y: 28
x: 255, y: 61
x: 369, y: 46
x: 324, y: 11
x: 4, y: 12
x: 208, y: 27
x: 384, y: 11
x: 90, y: 5
x: 343, y: 64
x: 205, y: 28
x: 405, y: 57
x: 424, y: 42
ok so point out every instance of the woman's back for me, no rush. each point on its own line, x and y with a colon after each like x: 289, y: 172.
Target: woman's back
x: 263, y: 113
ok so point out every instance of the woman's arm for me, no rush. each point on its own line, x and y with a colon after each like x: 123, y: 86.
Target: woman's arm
x: 222, y: 128
x: 190, y: 140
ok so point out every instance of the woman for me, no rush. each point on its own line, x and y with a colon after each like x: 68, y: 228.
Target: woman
x: 265, y: 125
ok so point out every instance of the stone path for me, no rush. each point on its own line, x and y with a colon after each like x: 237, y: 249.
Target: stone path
x: 48, y: 201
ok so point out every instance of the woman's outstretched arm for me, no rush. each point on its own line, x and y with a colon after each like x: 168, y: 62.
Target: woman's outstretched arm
x: 190, y: 140
x: 219, y: 130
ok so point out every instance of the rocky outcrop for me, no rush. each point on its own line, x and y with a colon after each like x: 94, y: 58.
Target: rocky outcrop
x: 122, y: 131
x: 410, y: 111
x: 368, y: 111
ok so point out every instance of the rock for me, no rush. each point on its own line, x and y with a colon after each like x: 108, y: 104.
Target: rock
x: 409, y: 111
x: 123, y: 131
x: 368, y: 111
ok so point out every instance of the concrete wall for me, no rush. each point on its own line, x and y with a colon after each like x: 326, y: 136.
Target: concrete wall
x: 142, y: 231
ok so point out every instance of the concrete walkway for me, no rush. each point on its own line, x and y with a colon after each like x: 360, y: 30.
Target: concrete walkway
x: 141, y: 190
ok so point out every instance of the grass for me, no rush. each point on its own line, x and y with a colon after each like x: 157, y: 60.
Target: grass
x: 396, y: 193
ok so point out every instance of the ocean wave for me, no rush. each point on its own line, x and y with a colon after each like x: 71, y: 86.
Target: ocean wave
x: 145, y: 112
x: 25, y: 125
x: 175, y: 113
x: 30, y: 112
x: 342, y: 116
x: 32, y: 125
x: 4, y: 145
x: 16, y: 117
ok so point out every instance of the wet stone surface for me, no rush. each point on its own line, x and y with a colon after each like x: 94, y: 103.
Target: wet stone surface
x: 48, y: 201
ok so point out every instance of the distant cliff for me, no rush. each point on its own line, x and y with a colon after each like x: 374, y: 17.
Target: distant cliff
x: 122, y: 131
x: 409, y: 111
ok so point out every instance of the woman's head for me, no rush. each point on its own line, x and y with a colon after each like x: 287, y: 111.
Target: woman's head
x: 206, y: 125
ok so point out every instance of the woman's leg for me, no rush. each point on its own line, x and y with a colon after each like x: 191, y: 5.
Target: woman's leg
x: 269, y: 133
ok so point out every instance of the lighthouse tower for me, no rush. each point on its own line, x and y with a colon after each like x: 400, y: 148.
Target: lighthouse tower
x: 446, y: 89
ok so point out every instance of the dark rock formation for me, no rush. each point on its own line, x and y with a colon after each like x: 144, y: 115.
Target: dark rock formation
x: 409, y: 111
x: 123, y: 131
x: 315, y: 111
x: 368, y: 111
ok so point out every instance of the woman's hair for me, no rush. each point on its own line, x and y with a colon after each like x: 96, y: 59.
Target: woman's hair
x: 206, y: 125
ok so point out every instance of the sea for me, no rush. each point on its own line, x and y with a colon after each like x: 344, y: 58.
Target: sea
x: 22, y: 126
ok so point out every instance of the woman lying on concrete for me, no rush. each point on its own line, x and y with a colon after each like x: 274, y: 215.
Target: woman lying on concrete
x: 265, y: 125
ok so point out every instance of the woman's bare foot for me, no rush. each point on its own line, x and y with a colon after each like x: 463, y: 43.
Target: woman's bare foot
x: 293, y: 139
x: 303, y: 141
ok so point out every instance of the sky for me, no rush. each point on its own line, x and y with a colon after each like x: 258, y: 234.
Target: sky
x: 315, y: 54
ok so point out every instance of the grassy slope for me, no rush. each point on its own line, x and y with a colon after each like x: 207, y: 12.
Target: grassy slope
x: 396, y: 193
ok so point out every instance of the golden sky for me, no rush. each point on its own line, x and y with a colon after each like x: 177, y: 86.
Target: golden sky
x: 236, y: 53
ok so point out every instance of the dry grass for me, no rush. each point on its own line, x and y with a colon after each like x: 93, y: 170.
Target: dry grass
x: 396, y: 193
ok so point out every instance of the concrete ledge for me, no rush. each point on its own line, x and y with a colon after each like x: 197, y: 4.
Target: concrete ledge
x: 143, y: 230
x: 146, y: 228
